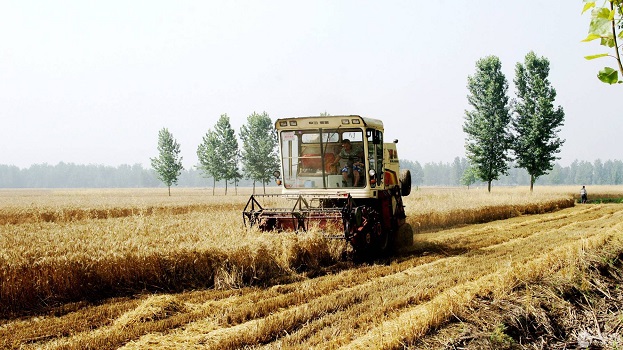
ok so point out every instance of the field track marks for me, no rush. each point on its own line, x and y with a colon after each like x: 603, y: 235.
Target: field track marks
x: 360, y: 307
x: 226, y: 308
x: 413, y: 323
x: 483, y: 235
x: 505, y: 261
x: 364, y: 305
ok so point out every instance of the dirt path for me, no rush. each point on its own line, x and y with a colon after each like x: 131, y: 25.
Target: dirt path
x: 388, y: 305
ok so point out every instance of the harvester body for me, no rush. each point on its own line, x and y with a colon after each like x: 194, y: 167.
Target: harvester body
x: 351, y: 191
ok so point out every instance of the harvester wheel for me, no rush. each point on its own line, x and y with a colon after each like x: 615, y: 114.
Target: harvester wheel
x: 405, y: 182
x: 382, y: 238
x: 404, y: 237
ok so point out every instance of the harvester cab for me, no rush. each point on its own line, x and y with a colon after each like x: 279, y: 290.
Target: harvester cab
x: 337, y: 173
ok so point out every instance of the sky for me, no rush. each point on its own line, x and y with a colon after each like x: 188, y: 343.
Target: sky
x: 92, y: 82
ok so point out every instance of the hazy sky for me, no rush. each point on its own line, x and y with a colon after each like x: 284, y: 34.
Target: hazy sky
x: 92, y: 82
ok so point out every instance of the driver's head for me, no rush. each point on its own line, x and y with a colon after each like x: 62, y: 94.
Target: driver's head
x: 346, y: 143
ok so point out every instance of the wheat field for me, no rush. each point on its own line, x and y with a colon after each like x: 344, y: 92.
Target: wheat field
x: 138, y: 269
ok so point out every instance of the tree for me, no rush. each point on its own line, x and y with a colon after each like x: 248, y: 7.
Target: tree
x: 458, y: 168
x: 599, y: 175
x: 556, y: 176
x: 259, y: 148
x: 584, y: 174
x: 488, y: 137
x: 209, y: 158
x: 227, y: 148
x: 168, y: 165
x: 417, y: 173
x: 604, y: 24
x: 536, y: 123
x: 616, y: 172
x: 469, y: 177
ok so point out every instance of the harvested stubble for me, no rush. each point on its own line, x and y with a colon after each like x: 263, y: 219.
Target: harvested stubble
x: 106, y: 243
x: 433, y: 209
x: 392, y: 306
x: 93, y: 258
x: 360, y: 307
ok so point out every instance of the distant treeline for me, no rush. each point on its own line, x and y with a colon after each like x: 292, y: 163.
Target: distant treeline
x: 70, y: 175
x: 578, y: 173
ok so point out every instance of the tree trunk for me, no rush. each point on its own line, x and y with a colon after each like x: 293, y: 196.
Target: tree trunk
x: 226, y: 187
x: 531, y: 183
x: 489, y: 186
x: 169, y: 191
x: 213, y: 185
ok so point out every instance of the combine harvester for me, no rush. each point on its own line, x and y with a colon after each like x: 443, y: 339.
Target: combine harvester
x: 337, y: 174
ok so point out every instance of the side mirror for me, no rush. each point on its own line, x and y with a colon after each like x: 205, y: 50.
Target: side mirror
x: 277, y: 174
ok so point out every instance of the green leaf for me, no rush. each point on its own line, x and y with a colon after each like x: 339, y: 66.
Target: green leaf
x: 591, y: 37
x: 608, y: 75
x: 592, y: 57
x: 588, y: 5
x: 609, y: 42
x: 601, y: 12
x: 600, y: 25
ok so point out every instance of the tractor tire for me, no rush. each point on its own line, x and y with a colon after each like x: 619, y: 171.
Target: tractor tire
x: 383, y: 244
x: 404, y: 238
x: 405, y: 182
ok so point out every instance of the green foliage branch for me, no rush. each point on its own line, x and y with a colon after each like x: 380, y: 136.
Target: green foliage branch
x: 607, y: 26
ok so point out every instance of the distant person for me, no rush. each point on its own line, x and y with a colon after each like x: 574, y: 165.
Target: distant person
x: 583, y: 195
x: 353, y: 157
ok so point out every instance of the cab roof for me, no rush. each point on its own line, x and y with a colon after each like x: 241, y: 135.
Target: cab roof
x: 331, y: 121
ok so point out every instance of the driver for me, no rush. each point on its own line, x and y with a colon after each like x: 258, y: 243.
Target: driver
x: 353, y: 157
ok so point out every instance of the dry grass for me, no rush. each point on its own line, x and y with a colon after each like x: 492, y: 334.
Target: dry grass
x: 431, y: 209
x: 196, y: 241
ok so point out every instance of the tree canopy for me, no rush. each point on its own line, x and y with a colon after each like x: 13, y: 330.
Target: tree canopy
x: 487, y: 123
x: 536, y: 122
x: 209, y: 158
x: 219, y: 154
x: 259, y: 148
x: 168, y: 164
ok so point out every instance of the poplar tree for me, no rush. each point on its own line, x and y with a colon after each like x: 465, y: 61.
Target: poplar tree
x: 209, y: 158
x: 536, y: 123
x: 487, y: 124
x: 259, y: 148
x: 168, y: 164
x: 218, y: 153
x: 227, y: 148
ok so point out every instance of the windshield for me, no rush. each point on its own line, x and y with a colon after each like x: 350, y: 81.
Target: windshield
x: 323, y: 158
